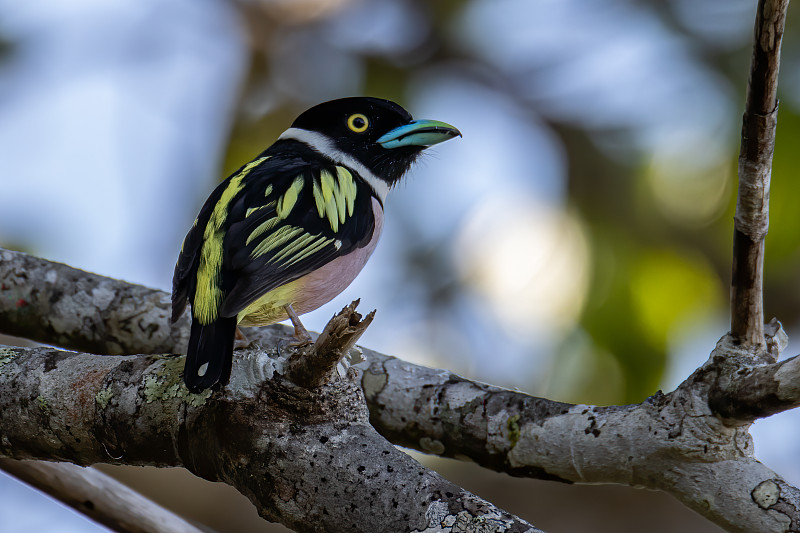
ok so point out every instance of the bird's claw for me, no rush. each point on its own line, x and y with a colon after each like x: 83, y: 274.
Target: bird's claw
x: 301, y: 335
x: 240, y: 342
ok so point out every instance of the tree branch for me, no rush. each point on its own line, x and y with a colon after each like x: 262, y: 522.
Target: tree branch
x: 55, y: 304
x: 747, y: 393
x: 673, y: 442
x: 755, y: 166
x: 692, y: 442
x: 99, y: 496
x: 307, y: 458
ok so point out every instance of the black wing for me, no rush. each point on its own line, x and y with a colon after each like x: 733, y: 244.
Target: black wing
x: 286, y: 217
x: 311, y: 216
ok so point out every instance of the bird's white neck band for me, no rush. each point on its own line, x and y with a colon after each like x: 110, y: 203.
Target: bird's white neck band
x: 324, y: 145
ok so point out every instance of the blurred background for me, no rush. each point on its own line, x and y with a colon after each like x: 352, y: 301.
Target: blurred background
x: 574, y: 244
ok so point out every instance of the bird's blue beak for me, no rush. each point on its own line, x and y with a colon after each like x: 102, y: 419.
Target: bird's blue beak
x: 418, y: 133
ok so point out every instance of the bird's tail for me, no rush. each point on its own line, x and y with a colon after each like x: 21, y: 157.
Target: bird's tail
x: 210, y: 354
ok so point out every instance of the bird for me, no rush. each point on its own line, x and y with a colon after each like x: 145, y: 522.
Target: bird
x: 291, y: 229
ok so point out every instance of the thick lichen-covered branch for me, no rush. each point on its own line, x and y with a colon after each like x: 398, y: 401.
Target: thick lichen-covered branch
x: 674, y: 442
x: 306, y: 458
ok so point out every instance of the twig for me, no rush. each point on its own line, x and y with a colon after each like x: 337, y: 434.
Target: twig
x: 755, y: 166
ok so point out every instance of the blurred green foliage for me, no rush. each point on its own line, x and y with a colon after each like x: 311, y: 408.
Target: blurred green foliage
x: 782, y: 263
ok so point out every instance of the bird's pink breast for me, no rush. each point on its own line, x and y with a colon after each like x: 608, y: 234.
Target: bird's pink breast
x: 316, y: 288
x: 324, y: 284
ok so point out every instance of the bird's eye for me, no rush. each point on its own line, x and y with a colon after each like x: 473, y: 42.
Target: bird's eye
x: 358, y: 123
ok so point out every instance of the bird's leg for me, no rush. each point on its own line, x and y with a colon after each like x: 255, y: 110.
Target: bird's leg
x: 300, y: 331
x: 240, y: 341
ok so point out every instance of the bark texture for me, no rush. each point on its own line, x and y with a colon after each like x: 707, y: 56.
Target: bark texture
x: 53, y: 303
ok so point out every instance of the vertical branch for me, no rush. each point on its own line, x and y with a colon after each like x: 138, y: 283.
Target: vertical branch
x: 755, y: 167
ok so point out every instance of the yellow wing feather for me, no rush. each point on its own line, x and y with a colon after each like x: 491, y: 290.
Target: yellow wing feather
x: 208, y: 295
x: 334, y: 199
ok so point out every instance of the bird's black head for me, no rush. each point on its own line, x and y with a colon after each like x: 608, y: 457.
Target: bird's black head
x: 377, y: 133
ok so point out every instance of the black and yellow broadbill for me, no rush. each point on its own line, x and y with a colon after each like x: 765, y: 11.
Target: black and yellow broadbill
x: 290, y: 230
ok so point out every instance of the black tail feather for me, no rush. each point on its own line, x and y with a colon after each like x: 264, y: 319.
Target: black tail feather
x: 212, y: 345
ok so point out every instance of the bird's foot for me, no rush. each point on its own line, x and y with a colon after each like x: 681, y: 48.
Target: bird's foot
x: 240, y: 342
x: 301, y: 335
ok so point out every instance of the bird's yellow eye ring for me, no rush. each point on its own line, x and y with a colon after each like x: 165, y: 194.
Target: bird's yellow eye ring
x: 358, y: 123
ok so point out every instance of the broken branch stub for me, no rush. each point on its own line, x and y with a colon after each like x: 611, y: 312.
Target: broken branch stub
x: 313, y: 365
